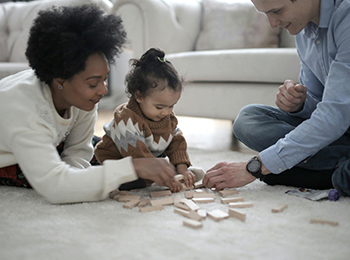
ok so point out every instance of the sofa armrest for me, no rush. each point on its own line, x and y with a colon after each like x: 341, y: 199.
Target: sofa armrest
x: 171, y: 25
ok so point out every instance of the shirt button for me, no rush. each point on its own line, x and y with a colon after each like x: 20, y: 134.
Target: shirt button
x: 318, y: 41
x: 280, y: 169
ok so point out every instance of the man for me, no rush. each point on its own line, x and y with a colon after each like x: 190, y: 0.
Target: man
x: 305, y: 142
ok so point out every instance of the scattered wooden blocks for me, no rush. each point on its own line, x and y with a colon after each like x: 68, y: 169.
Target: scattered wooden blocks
x: 190, y: 204
x: 203, y: 195
x: 164, y: 202
x: 126, y: 198
x: 199, y: 184
x: 189, y: 194
x: 279, y: 208
x: 192, y: 223
x: 321, y: 221
x: 241, y: 204
x: 144, y: 203
x: 151, y: 208
x: 202, y: 213
x: 163, y: 193
x: 217, y: 215
x: 195, y: 216
x: 225, y: 193
x: 229, y: 200
x: 131, y: 204
x: 182, y: 212
x: 203, y: 200
x: 237, y: 214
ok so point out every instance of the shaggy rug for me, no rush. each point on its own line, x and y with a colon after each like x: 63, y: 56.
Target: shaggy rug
x: 31, y: 228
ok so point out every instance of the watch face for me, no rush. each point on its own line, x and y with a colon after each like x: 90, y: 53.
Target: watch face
x: 254, y: 166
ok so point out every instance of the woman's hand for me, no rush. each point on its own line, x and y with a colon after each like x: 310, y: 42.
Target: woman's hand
x: 158, y: 170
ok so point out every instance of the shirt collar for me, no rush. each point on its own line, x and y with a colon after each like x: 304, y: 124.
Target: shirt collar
x: 326, y: 11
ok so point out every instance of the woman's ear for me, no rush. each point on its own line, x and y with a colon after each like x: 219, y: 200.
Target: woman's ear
x: 58, y: 82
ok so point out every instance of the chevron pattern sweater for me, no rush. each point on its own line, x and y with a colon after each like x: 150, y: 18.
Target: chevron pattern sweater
x: 130, y: 133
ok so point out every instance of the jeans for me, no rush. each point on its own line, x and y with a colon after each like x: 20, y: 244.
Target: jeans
x: 260, y: 126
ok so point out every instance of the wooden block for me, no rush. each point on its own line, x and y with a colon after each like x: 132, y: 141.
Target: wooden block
x: 203, y: 200
x: 177, y: 199
x: 229, y: 200
x: 185, y: 188
x: 217, y: 215
x: 202, y: 213
x: 237, y: 214
x: 128, y: 198
x: 189, y: 194
x: 144, y: 203
x: 163, y: 193
x: 181, y: 205
x: 192, y: 223
x: 131, y: 204
x: 198, y: 184
x: 164, y: 202
x: 195, y: 216
x: 321, y: 221
x: 124, y: 193
x: 190, y: 204
x: 279, y: 208
x: 199, y: 190
x: 204, y: 195
x: 225, y: 193
x: 182, y: 212
x: 178, y: 177
x: 151, y: 208
x: 241, y: 204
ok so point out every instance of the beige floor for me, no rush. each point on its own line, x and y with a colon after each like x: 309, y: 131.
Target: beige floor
x: 200, y: 133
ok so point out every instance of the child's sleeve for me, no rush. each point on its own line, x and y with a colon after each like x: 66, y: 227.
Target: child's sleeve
x: 106, y: 150
x: 177, y: 150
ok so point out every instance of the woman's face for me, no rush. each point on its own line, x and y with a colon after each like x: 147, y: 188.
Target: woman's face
x: 85, y: 89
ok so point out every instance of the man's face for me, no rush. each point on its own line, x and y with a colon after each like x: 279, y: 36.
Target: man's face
x: 293, y: 16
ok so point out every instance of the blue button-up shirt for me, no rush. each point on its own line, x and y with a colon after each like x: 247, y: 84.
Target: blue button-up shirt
x: 324, y: 52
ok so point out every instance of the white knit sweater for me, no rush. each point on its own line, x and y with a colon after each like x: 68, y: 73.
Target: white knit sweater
x: 30, y: 130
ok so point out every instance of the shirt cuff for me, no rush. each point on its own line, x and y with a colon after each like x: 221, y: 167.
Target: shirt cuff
x: 272, y: 161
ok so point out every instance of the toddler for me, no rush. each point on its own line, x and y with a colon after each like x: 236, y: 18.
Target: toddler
x: 146, y: 125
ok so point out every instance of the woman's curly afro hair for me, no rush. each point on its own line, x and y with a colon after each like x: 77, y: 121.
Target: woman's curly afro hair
x: 62, y: 38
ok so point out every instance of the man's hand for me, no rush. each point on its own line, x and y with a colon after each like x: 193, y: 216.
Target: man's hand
x: 158, y: 170
x: 227, y: 175
x: 291, y: 96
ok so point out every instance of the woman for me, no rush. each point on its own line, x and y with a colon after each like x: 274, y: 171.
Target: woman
x: 53, y: 106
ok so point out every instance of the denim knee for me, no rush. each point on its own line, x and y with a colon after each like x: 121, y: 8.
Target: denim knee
x: 341, y: 178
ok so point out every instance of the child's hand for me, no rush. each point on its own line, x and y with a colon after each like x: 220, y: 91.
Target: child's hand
x: 189, y: 178
x: 175, y: 186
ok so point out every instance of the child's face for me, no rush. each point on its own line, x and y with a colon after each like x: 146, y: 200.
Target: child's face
x: 159, y: 103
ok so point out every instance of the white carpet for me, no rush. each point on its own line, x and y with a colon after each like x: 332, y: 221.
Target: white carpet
x: 30, y: 228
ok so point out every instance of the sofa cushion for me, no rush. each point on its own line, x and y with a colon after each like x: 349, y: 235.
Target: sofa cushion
x: 270, y: 65
x: 232, y: 24
x: 18, y: 17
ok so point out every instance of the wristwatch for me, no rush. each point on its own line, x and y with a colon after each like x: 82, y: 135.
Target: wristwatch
x: 254, y: 168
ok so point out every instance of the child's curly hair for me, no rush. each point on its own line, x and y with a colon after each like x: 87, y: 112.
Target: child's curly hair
x: 147, y: 71
x: 62, y: 38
